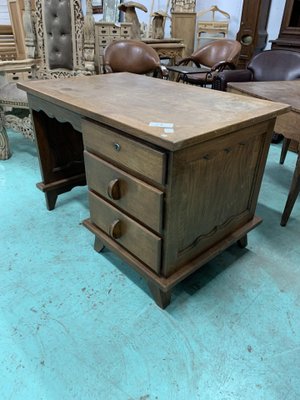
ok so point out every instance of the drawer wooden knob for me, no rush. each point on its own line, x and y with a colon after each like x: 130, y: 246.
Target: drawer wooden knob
x: 115, y: 229
x: 113, y: 189
x: 117, y: 146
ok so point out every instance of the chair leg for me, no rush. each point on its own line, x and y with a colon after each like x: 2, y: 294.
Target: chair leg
x: 284, y: 149
x: 293, y: 194
x: 4, y: 143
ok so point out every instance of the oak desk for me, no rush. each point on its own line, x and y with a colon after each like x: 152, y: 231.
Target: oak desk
x: 173, y: 170
x: 288, y: 124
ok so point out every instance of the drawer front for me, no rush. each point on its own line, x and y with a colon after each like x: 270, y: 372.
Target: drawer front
x: 127, y: 152
x: 132, y: 195
x: 142, y: 243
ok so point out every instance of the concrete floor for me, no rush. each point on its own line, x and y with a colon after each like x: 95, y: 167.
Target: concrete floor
x: 75, y: 324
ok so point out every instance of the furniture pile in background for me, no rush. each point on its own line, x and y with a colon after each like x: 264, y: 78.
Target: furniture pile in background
x: 52, y: 43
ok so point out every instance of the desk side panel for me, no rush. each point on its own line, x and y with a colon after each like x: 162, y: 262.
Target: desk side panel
x: 213, y: 190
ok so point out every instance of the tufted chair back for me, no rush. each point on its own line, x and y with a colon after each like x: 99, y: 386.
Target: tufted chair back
x: 58, y: 33
x: 132, y: 56
x: 64, y: 39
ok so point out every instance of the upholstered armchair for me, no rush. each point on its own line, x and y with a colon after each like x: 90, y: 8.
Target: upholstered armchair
x: 216, y: 56
x: 269, y: 65
x: 133, y: 56
x: 60, y: 43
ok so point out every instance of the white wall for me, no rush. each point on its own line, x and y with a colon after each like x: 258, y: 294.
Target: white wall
x: 234, y: 8
x: 276, y: 13
x: 4, y: 15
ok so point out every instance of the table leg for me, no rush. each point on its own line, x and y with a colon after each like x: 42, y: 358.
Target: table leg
x: 162, y: 299
x: 285, y: 147
x: 293, y: 194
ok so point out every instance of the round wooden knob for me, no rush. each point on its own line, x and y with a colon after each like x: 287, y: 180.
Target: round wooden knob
x: 113, y: 189
x: 115, y: 229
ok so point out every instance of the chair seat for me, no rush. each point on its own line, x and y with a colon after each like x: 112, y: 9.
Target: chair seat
x: 12, y: 96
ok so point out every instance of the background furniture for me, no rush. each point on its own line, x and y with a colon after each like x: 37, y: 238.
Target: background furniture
x: 216, y: 56
x: 270, y: 65
x: 164, y: 196
x: 61, y: 43
x: 183, y: 26
x: 289, y: 35
x: 8, y: 50
x: 211, y: 29
x: 133, y: 56
x: 253, y: 33
x: 171, y: 49
x: 287, y: 124
x: 106, y: 33
x: 16, y: 10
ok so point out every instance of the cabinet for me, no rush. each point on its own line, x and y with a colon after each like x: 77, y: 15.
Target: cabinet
x: 183, y: 27
x: 289, y: 35
x: 253, y: 33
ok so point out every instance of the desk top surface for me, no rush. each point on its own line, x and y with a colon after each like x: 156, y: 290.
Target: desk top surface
x: 169, y: 114
x: 287, y: 92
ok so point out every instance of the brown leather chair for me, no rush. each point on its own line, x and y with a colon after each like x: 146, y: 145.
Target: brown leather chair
x: 269, y: 65
x: 133, y: 56
x: 216, y: 56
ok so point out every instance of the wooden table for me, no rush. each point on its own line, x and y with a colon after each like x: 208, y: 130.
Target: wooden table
x: 172, y: 48
x: 288, y: 124
x: 174, y: 171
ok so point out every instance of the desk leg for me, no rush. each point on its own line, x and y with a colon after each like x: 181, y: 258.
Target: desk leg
x: 98, y: 245
x: 162, y: 299
x: 243, y: 242
x: 293, y: 194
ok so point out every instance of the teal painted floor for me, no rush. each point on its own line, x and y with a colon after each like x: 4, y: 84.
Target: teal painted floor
x: 75, y: 324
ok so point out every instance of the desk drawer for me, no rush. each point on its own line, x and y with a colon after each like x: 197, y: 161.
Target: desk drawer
x: 135, y: 197
x: 140, y: 158
x: 142, y: 243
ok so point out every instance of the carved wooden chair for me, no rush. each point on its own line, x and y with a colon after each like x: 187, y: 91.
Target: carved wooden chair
x: 60, y: 43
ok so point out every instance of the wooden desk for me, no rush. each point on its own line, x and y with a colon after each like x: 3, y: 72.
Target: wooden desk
x: 288, y: 124
x: 174, y: 171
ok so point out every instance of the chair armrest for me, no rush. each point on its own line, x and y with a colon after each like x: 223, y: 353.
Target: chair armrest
x: 107, y: 69
x: 221, y: 65
x: 223, y: 77
x: 161, y: 72
x: 187, y: 60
